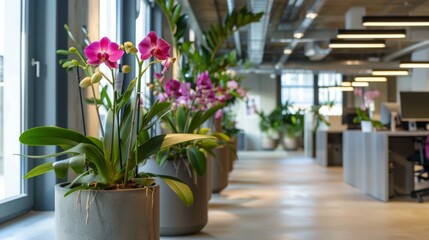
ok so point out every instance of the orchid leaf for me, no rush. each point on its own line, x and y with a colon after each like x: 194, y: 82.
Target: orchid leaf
x: 176, y: 138
x: 162, y: 157
x: 76, y: 163
x: 182, y: 190
x: 197, y: 159
x: 52, y: 136
x: 39, y: 170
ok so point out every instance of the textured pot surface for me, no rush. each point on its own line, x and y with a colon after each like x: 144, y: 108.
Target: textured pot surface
x: 117, y: 214
x: 219, y: 170
x: 176, y: 218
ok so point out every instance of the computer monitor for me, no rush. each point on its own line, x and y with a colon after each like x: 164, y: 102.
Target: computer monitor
x: 348, y: 115
x: 414, y: 106
x: 386, y: 111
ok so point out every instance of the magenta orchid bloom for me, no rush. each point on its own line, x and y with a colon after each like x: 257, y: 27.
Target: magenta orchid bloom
x: 104, y: 51
x: 154, y: 46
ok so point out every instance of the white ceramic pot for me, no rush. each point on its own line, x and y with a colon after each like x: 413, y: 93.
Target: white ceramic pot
x: 366, y: 126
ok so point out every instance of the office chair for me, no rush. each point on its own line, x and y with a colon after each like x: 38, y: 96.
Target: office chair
x: 421, y: 157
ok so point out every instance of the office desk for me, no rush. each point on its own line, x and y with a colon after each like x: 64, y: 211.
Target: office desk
x: 329, y: 147
x: 376, y: 164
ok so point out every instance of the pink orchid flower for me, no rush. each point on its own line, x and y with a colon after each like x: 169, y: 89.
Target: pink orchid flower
x: 104, y: 51
x: 232, y: 85
x: 154, y: 46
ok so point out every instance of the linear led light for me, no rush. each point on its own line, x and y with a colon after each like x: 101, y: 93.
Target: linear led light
x: 371, y: 33
x: 370, y: 79
x: 360, y: 84
x: 389, y: 72
x: 398, y: 21
x: 341, y: 43
x: 341, y: 88
x: 414, y: 64
x: 346, y: 84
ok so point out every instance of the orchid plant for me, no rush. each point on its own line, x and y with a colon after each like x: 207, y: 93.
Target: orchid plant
x: 191, y: 108
x: 111, y: 161
x: 364, y: 113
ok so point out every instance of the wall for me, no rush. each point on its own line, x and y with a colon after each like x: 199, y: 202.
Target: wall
x: 263, y: 90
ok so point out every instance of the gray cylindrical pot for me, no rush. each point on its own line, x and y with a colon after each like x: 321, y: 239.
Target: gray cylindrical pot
x: 176, y: 218
x: 219, y: 170
x: 232, y: 154
x: 107, y: 214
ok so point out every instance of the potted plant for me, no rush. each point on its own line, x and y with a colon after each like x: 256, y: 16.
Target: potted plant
x: 291, y: 124
x: 195, y: 100
x: 110, y: 198
x: 364, y: 113
x: 318, y: 118
x: 229, y: 127
x: 270, y: 130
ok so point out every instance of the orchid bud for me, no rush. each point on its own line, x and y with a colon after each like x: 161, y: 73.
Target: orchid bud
x: 75, y: 62
x: 96, y: 77
x: 151, y: 86
x: 86, y: 82
x: 126, y: 69
x: 122, y: 47
x: 72, y: 50
x: 129, y: 48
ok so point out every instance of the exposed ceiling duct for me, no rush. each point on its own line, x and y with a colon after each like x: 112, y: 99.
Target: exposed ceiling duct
x: 314, y: 52
x: 258, y: 31
x: 302, y: 28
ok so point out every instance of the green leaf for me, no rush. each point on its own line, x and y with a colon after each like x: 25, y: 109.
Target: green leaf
x: 177, y: 10
x: 195, y: 122
x: 162, y: 157
x: 77, y: 163
x: 157, y: 109
x: 197, y: 159
x: 39, y: 170
x: 210, y: 112
x: 176, y: 138
x: 182, y: 24
x: 124, y: 99
x: 182, y: 190
x: 181, y: 118
x: 109, y: 135
x: 52, y: 136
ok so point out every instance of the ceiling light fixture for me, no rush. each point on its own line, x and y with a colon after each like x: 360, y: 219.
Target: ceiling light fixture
x: 372, y: 33
x: 346, y: 84
x: 399, y: 21
x: 287, y: 51
x: 311, y: 15
x: 341, y: 43
x: 417, y: 64
x: 389, y: 72
x: 370, y: 79
x: 298, y: 35
x: 360, y: 84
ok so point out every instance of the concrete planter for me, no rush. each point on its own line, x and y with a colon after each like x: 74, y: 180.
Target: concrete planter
x: 220, y: 169
x: 176, y: 218
x: 232, y: 154
x: 103, y: 214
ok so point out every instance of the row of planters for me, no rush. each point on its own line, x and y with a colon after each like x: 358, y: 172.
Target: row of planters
x: 284, y: 125
x: 116, y: 194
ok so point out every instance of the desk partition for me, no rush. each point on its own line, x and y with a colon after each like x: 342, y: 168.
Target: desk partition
x: 376, y: 163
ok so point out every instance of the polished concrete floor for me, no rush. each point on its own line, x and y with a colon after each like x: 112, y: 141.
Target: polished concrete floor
x: 281, y: 197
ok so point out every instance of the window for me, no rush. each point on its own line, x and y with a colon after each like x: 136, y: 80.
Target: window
x: 297, y: 88
x: 326, y: 94
x: 11, y: 166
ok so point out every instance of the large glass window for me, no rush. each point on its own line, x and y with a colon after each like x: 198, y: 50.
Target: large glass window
x: 298, y: 89
x: 326, y: 94
x: 11, y: 165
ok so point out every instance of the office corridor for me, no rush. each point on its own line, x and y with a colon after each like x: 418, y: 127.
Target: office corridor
x: 285, y: 198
